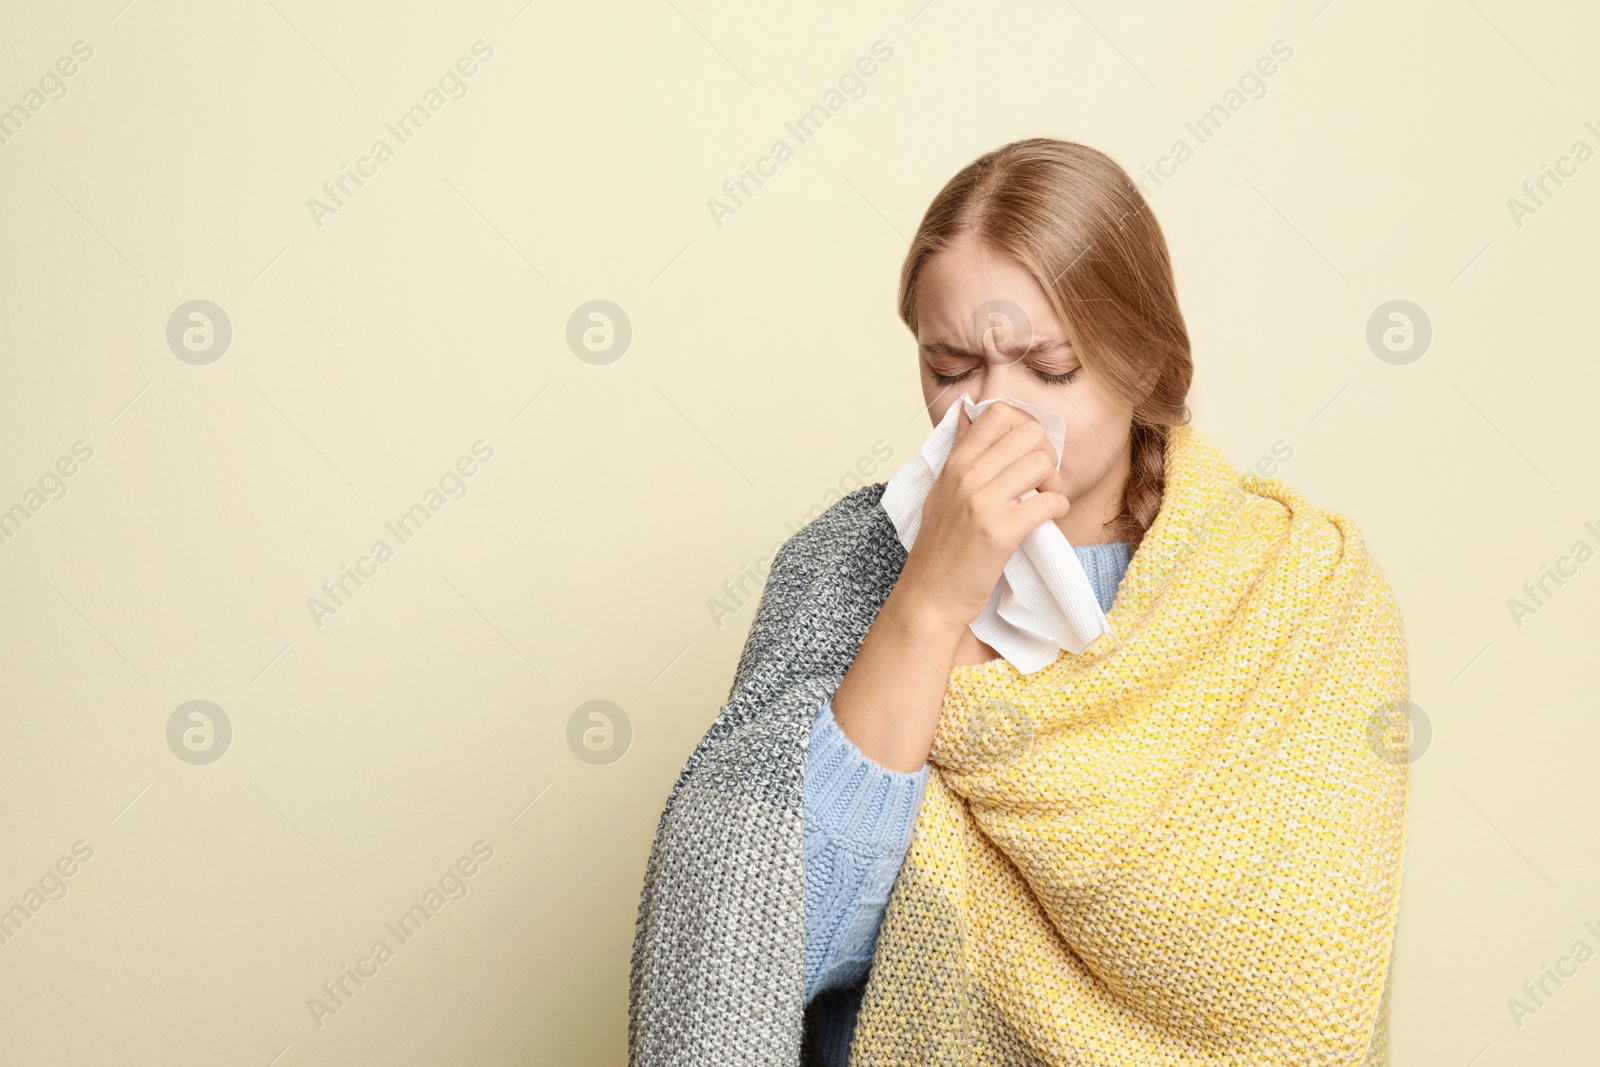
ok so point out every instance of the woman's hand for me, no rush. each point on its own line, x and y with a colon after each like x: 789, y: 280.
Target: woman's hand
x: 889, y: 701
x: 972, y: 521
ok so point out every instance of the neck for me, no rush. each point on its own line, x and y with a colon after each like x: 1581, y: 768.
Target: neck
x: 1085, y: 523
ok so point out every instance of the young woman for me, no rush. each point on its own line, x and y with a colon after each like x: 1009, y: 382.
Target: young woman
x: 1179, y: 846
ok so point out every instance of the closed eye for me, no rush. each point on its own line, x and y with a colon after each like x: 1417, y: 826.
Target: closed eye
x: 1050, y: 379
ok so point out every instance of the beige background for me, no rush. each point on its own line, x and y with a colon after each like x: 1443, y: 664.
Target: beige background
x: 430, y: 312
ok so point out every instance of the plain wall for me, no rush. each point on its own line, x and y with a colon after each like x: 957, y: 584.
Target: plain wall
x: 376, y: 340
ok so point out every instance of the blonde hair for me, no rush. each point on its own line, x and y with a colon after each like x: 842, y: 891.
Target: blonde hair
x: 1072, y: 217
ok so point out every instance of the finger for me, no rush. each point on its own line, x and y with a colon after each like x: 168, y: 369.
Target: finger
x: 993, y: 424
x: 972, y: 437
x: 1005, y: 413
x: 1030, y: 514
x: 1020, y: 438
x: 1026, y: 472
x: 1053, y: 482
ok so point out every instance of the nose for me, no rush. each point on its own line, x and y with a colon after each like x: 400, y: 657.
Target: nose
x: 999, y: 337
x: 1001, y: 375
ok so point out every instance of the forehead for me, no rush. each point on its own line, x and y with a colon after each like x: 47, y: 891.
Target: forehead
x: 968, y: 288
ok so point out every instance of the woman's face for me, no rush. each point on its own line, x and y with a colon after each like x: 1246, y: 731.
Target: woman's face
x: 986, y: 328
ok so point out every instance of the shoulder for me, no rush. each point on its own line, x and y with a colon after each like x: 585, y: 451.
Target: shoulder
x: 1269, y: 498
x: 1266, y: 508
x: 827, y: 581
x: 1325, y: 541
x: 854, y: 517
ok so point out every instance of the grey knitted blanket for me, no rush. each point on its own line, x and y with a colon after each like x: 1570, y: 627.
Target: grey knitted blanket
x: 718, y: 967
x: 1193, y: 858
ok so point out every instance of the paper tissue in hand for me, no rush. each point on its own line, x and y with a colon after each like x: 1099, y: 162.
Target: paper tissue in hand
x: 1043, y: 602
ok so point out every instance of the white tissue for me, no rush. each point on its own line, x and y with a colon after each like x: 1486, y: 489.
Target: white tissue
x: 1043, y: 602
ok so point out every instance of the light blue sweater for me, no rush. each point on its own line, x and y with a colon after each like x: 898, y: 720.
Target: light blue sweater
x: 859, y: 818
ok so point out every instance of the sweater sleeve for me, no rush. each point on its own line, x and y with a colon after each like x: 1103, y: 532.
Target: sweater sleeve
x: 859, y: 821
x: 859, y: 818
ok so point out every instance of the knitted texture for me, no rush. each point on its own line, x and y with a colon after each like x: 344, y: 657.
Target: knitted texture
x: 858, y: 818
x: 1182, y: 846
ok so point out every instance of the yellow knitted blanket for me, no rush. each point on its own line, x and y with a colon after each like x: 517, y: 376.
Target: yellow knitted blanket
x: 1184, y: 845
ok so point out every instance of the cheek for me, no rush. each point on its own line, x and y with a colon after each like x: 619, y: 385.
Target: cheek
x: 1085, y: 453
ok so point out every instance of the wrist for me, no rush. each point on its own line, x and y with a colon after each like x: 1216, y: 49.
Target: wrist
x: 923, y: 619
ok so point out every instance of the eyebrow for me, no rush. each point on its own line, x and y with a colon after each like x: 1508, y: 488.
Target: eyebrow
x: 1015, y: 349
